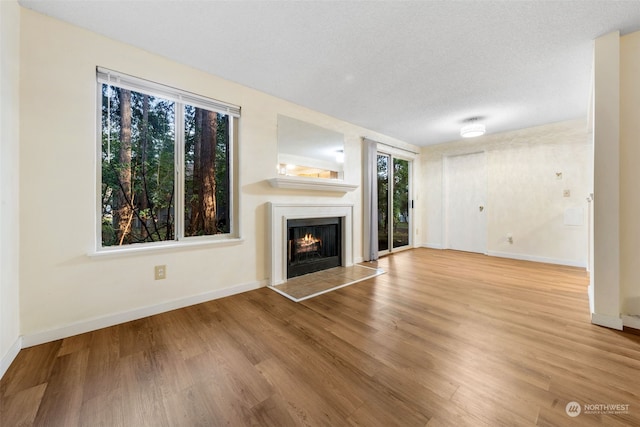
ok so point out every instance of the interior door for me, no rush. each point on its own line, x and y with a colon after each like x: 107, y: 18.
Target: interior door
x: 466, y: 214
x: 394, y: 203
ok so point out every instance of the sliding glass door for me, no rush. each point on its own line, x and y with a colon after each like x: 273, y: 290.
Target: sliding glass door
x: 394, y: 203
x: 400, y: 203
x: 384, y: 161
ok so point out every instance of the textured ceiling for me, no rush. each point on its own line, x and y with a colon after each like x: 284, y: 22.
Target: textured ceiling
x: 413, y: 70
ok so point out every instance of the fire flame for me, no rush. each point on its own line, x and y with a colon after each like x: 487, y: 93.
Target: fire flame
x: 309, y: 240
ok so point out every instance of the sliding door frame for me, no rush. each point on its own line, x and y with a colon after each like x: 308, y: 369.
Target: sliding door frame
x: 394, y: 154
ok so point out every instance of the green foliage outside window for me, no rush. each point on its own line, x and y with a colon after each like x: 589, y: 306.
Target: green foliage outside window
x: 139, y: 192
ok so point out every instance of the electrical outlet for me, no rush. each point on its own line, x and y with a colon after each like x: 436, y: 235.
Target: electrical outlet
x: 160, y: 272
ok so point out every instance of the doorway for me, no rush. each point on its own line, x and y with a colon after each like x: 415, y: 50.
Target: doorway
x: 394, y: 203
x: 465, y: 202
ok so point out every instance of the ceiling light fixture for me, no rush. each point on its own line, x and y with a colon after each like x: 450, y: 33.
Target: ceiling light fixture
x: 472, y: 128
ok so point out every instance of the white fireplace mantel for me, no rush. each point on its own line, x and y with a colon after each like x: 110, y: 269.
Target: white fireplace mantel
x: 279, y: 213
x: 317, y: 184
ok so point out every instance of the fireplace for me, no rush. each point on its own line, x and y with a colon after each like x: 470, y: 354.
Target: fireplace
x: 313, y: 244
x: 279, y: 216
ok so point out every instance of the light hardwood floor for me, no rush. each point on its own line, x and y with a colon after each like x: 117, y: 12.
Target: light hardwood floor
x: 443, y: 339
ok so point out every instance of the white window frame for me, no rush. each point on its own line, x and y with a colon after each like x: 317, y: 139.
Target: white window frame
x: 181, y: 98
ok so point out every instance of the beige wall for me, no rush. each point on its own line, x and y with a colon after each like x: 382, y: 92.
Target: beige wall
x: 630, y: 173
x: 9, y: 141
x: 60, y: 284
x: 524, y: 195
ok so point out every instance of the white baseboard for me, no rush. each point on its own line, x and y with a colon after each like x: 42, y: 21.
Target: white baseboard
x: 613, y: 322
x: 631, y: 321
x: 534, y: 258
x: 591, y: 301
x: 358, y: 260
x: 431, y: 245
x: 9, y: 356
x: 127, y: 316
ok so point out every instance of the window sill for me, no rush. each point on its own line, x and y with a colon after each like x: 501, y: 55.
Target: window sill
x: 162, y: 246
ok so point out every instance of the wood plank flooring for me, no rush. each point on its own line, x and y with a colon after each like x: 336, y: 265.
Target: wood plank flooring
x: 443, y: 339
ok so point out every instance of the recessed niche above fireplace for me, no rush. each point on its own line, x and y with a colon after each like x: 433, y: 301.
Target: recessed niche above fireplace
x: 306, y: 150
x: 309, y: 158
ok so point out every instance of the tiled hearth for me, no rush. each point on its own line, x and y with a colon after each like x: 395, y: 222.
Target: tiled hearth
x: 311, y: 285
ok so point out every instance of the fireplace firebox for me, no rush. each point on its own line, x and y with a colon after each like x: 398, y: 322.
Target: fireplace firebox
x: 314, y: 244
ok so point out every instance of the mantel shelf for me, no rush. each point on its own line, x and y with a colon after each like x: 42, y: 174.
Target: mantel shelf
x: 317, y: 184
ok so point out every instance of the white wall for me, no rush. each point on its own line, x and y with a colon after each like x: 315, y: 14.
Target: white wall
x: 62, y: 289
x: 525, y: 197
x: 9, y: 141
x: 630, y: 173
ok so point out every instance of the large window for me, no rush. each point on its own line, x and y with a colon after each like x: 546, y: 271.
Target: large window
x: 166, y: 163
